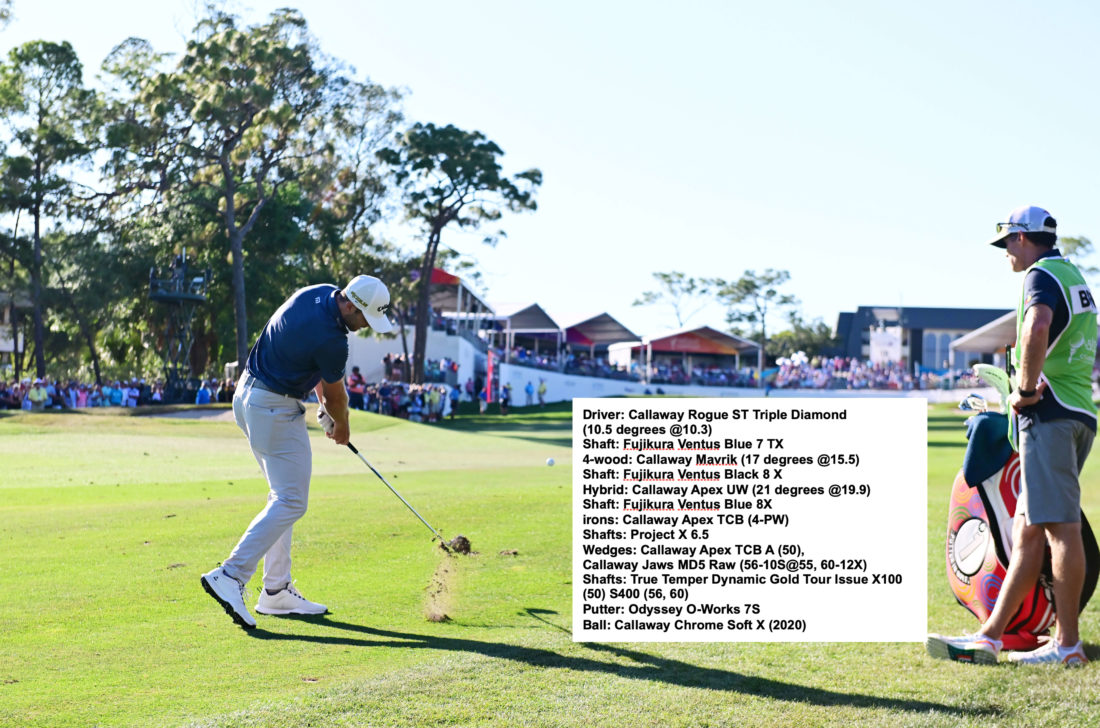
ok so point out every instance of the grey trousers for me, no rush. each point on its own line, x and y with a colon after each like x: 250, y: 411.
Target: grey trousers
x: 276, y: 429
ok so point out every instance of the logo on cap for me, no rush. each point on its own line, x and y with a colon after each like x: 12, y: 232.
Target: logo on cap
x: 360, y: 301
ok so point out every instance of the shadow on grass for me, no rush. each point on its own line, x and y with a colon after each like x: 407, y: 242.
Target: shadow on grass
x: 555, y: 416
x: 648, y: 667
x: 558, y: 441
x: 552, y: 426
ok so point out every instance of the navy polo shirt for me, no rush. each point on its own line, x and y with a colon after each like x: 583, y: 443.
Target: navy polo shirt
x: 304, y: 342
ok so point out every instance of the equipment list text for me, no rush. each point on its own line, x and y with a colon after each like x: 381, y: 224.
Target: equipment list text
x: 749, y: 520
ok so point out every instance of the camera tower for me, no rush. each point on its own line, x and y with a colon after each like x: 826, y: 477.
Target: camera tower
x: 180, y: 292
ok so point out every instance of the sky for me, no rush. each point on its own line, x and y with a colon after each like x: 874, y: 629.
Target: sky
x: 867, y: 147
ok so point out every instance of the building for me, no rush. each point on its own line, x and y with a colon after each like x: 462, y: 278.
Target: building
x: 699, y: 354
x: 458, y: 333
x: 919, y: 337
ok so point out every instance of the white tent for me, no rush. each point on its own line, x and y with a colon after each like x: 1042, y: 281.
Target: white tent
x: 991, y: 338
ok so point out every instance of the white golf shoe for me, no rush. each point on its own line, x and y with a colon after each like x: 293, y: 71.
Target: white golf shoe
x: 973, y: 648
x: 288, y: 601
x: 229, y: 593
x: 1052, y: 654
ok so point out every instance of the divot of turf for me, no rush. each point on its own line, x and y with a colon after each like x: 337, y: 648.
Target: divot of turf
x: 440, y: 590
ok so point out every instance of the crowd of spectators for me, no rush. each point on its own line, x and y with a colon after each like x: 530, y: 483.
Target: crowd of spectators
x: 795, y: 372
x: 436, y: 399
x: 46, y: 393
x: 540, y: 360
x: 429, y: 402
x: 595, y: 367
x: 569, y: 362
x: 211, y: 390
x: 396, y: 368
x: 702, y: 376
x: 802, y: 372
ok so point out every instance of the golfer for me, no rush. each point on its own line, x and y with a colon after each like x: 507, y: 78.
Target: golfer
x: 1054, y: 355
x: 303, y: 347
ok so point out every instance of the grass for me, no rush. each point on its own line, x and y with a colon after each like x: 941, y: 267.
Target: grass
x: 106, y: 523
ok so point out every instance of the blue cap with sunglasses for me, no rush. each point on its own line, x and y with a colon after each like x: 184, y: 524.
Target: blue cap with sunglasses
x: 1024, y: 220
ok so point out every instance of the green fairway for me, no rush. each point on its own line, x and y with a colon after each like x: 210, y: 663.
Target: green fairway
x: 106, y: 523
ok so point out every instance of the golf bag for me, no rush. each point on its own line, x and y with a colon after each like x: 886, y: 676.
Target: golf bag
x: 979, y: 535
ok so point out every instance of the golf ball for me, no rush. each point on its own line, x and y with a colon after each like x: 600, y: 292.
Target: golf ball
x: 549, y: 461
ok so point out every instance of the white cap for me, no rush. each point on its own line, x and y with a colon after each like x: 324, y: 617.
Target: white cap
x: 1024, y: 220
x: 372, y: 298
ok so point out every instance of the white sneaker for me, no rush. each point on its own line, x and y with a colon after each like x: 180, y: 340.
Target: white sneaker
x: 1051, y: 654
x: 229, y: 593
x: 975, y: 648
x: 288, y: 601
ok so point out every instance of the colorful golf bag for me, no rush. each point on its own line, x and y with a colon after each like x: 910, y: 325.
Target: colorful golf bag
x: 979, y: 535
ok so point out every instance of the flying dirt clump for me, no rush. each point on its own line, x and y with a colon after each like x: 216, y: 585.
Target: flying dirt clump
x: 459, y: 544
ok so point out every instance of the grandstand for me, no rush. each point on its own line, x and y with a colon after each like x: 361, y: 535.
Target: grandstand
x: 881, y: 348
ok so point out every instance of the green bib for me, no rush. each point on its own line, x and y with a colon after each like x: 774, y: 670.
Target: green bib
x: 1070, y: 358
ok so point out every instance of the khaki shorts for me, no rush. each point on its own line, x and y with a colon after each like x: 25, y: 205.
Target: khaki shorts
x: 1051, y: 457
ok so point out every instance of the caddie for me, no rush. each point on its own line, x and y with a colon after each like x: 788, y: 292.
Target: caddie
x: 1054, y: 357
x: 303, y: 347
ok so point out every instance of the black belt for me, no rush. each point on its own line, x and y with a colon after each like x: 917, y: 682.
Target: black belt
x: 252, y: 381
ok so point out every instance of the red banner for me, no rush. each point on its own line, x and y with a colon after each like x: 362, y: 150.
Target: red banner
x: 489, y: 379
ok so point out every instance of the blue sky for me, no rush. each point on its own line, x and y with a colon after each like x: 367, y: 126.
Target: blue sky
x: 867, y: 147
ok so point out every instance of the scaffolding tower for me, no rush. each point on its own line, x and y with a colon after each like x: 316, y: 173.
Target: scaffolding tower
x: 181, y: 291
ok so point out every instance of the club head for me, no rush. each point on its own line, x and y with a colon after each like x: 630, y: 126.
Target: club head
x: 974, y: 403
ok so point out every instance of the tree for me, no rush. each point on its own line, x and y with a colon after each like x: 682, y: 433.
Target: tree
x: 812, y: 337
x: 449, y: 175
x: 350, y: 190
x: 44, y: 103
x: 82, y: 270
x: 1078, y: 248
x: 244, y: 112
x: 679, y: 291
x: 751, y: 298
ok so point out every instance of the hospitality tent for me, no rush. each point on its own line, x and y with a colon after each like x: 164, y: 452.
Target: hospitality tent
x: 527, y: 325
x: 991, y: 338
x: 702, y: 345
x: 453, y: 299
x: 598, y: 333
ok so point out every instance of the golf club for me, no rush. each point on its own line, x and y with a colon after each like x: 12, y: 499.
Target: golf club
x: 442, y: 541
x: 974, y: 402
